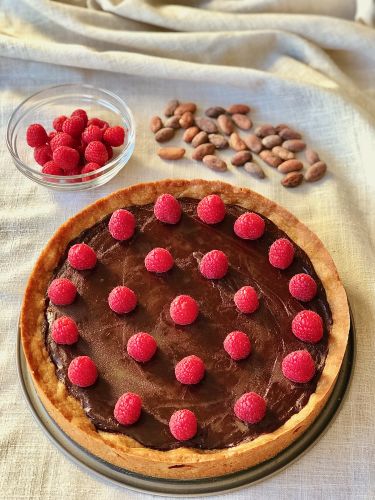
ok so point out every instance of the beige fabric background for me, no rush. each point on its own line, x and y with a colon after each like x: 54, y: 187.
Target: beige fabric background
x: 307, y: 63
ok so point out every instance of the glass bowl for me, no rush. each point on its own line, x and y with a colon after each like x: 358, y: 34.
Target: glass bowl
x: 46, y: 105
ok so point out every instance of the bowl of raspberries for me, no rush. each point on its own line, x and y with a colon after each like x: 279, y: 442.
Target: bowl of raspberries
x: 71, y: 137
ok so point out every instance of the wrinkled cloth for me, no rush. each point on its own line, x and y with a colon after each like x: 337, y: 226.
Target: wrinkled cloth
x: 305, y: 63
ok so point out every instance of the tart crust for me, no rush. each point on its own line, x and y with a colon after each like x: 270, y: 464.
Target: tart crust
x: 119, y: 449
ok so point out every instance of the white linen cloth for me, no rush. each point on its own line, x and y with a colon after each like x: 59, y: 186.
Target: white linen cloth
x: 305, y: 63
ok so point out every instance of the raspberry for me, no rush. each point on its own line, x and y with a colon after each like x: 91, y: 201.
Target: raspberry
x: 303, y: 287
x: 73, y: 126
x: 183, y: 425
x: 250, y: 407
x: 64, y: 331
x: 298, y: 366
x: 82, y: 113
x: 90, y: 167
x: 58, y: 123
x: 61, y: 292
x: 61, y: 139
x: 36, y: 135
x: 109, y: 151
x: 214, y: 264
x: 141, y: 347
x: 51, y: 168
x: 308, y: 326
x: 190, y: 370
x: 51, y: 135
x: 128, y: 408
x: 82, y: 371
x: 281, y: 253
x: 211, y: 209
x: 246, y: 299
x: 184, y: 310
x: 114, y: 136
x: 237, y: 345
x: 92, y: 133
x: 96, y: 152
x: 122, y: 224
x: 81, y: 256
x: 43, y: 154
x: 66, y: 158
x: 159, y: 260
x: 249, y: 226
x: 122, y: 300
x: 167, y: 209
x: 103, y: 125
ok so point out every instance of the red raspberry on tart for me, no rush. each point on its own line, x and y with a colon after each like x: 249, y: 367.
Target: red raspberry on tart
x: 237, y: 344
x: 249, y: 226
x: 250, y: 407
x: 81, y: 256
x: 183, y: 425
x: 246, y: 299
x: 122, y: 300
x: 82, y: 371
x: 159, y: 260
x: 122, y: 225
x: 214, y: 264
x: 141, y: 347
x: 128, y: 408
x: 190, y: 370
x: 211, y: 209
x: 167, y: 209
x: 184, y: 310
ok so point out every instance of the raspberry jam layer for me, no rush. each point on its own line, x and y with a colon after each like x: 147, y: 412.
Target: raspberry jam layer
x: 104, y: 335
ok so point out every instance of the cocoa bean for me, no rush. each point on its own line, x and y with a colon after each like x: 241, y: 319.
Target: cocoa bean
x: 171, y: 153
x: 294, y: 145
x: 264, y: 130
x: 215, y: 163
x: 288, y: 133
x: 236, y: 143
x: 280, y: 127
x: 291, y: 180
x: 155, y: 124
x: 173, y: 122
x: 253, y: 143
x: 171, y: 107
x: 242, y: 121
x: 186, y: 120
x: 226, y: 124
x: 270, y: 141
x: 241, y: 157
x: 254, y: 169
x: 271, y: 159
x: 311, y: 156
x: 282, y: 153
x: 206, y: 124
x: 316, y: 171
x: 185, y: 106
x: 164, y: 134
x: 290, y: 166
x: 203, y: 150
x: 219, y: 141
x: 190, y: 133
x: 214, y: 111
x: 200, y: 138
x: 241, y: 109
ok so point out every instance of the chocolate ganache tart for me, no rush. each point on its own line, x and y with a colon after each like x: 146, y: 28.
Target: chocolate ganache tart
x: 182, y: 338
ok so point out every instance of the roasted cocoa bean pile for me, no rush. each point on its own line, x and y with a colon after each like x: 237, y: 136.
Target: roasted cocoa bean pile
x: 219, y: 129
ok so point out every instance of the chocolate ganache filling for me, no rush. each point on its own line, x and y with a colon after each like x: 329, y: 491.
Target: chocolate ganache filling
x: 104, y: 334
